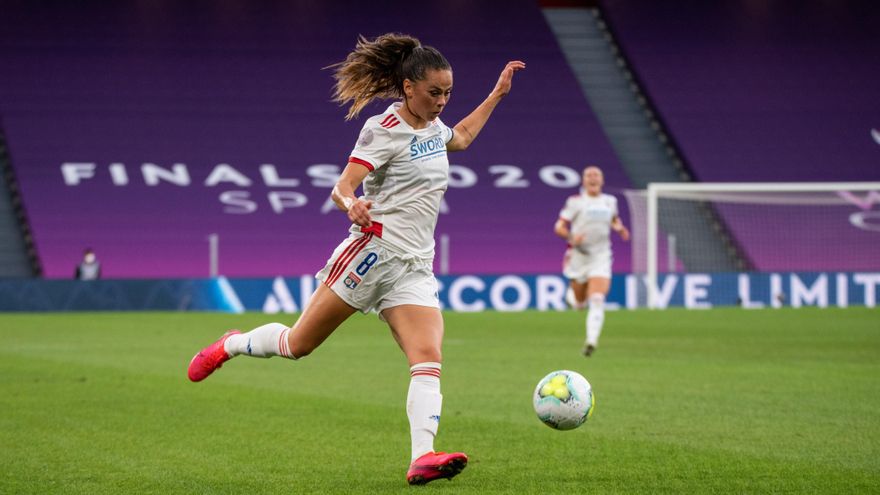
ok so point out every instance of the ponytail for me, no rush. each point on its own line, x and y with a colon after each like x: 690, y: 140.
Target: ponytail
x: 377, y: 69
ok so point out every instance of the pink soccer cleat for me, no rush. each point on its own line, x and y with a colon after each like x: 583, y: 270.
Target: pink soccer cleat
x: 209, y: 359
x: 434, y: 465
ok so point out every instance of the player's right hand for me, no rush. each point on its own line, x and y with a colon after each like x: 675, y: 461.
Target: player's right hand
x: 359, y: 213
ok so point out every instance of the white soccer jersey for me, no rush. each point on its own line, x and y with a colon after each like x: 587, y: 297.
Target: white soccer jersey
x: 591, y: 216
x: 409, y: 172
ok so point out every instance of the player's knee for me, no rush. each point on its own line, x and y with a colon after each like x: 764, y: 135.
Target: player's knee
x: 425, y: 354
x: 597, y: 300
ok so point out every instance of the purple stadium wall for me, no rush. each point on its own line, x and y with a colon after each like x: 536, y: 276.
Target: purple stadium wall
x: 177, y: 120
x: 769, y: 91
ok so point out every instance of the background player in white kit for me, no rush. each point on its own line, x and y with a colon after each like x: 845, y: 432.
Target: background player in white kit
x: 385, y: 265
x: 586, y: 222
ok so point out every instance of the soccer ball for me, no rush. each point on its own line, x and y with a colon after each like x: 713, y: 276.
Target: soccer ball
x: 564, y: 400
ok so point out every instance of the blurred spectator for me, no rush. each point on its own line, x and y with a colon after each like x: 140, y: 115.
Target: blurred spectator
x: 89, y: 268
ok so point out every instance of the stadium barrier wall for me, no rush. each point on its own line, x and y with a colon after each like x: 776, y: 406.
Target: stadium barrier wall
x: 466, y: 293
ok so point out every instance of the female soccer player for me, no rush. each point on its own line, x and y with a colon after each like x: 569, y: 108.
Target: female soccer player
x: 586, y: 222
x: 385, y: 264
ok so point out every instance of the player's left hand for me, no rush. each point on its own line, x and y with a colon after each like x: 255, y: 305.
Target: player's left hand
x: 502, y: 87
x: 624, y: 234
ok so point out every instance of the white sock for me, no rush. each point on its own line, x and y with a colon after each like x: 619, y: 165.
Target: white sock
x: 265, y: 341
x: 595, y: 318
x: 423, y: 404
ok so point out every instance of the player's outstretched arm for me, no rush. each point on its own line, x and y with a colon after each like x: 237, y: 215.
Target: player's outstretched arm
x: 469, y: 127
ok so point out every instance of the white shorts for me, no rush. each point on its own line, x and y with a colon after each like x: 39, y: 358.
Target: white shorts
x: 580, y: 266
x: 369, y: 276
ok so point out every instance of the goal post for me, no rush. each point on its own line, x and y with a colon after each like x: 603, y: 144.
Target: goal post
x: 753, y: 227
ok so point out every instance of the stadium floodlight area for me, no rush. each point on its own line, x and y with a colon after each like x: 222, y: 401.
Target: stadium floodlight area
x: 802, y: 238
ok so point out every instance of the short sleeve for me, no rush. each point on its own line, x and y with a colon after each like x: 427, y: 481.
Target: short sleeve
x: 447, y: 133
x: 374, y: 146
x: 613, y: 207
x: 569, y: 211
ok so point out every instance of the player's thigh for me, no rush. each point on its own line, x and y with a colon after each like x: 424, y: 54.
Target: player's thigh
x: 598, y: 285
x: 418, y: 330
x: 579, y: 289
x: 323, y: 314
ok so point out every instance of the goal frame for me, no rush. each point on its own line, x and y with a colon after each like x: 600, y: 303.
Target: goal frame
x: 656, y: 190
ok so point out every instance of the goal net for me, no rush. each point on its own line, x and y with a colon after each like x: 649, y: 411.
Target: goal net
x: 814, y: 231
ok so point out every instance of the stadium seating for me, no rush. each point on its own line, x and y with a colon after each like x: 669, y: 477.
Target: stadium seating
x: 782, y: 91
x: 140, y: 129
x: 753, y: 92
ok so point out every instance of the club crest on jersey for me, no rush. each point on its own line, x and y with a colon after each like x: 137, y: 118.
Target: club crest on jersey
x: 351, y: 280
x: 365, y: 138
x: 426, y: 147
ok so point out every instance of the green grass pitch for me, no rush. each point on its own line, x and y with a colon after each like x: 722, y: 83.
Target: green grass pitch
x: 718, y: 401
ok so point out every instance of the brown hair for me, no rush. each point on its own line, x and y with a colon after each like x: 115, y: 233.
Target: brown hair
x: 377, y: 69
